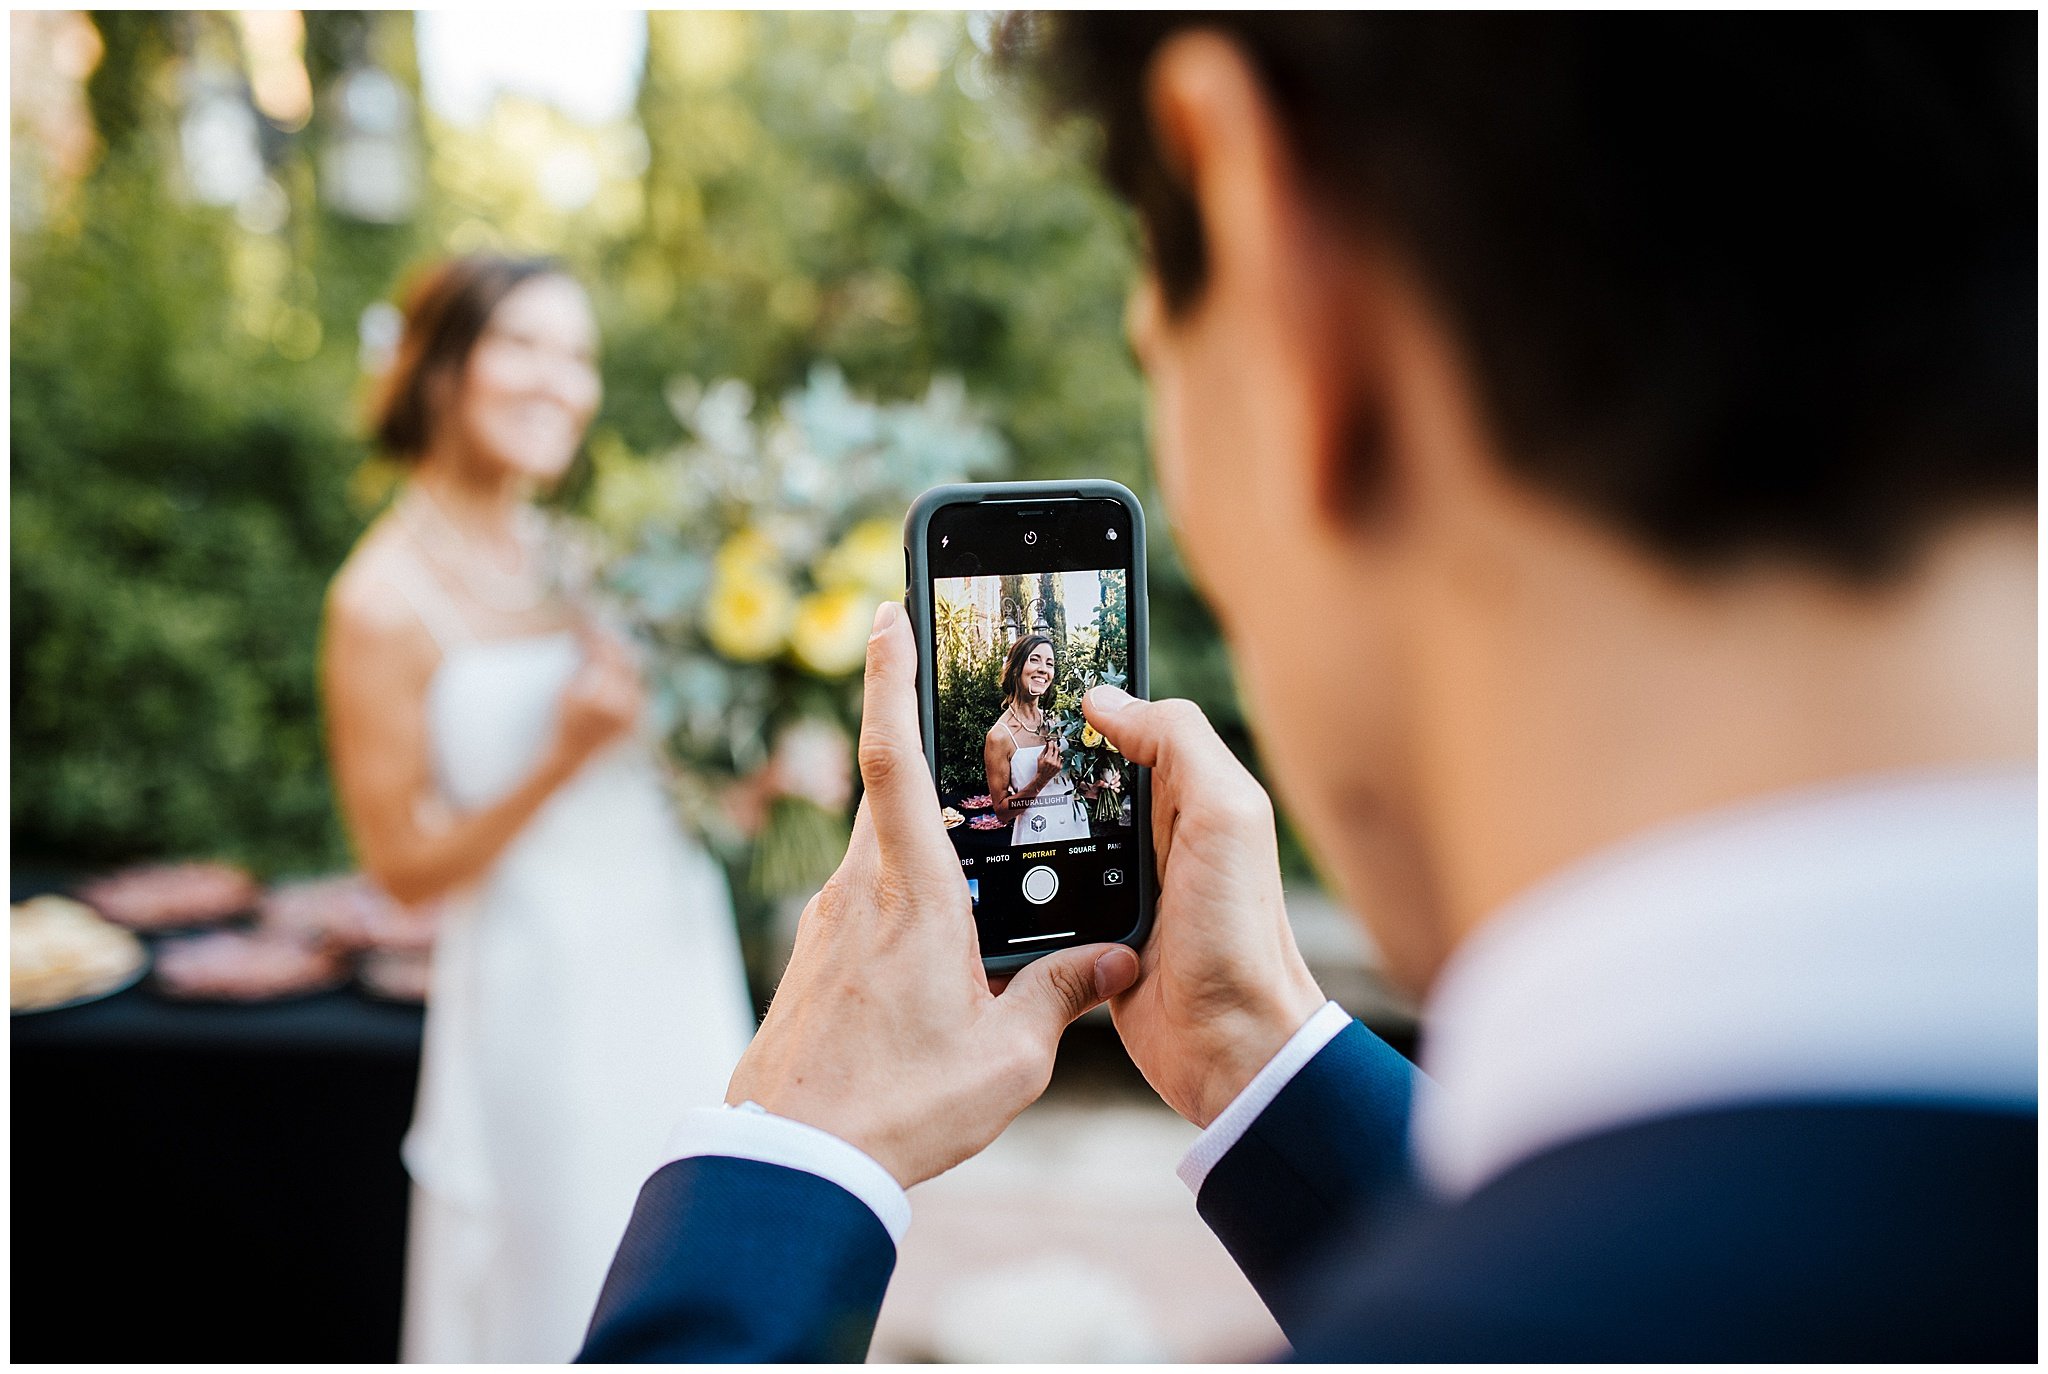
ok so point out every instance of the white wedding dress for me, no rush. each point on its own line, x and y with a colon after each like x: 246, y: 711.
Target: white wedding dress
x: 585, y: 993
x: 1052, y: 813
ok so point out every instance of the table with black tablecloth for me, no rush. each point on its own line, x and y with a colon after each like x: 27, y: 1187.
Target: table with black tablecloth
x: 211, y: 1183
x: 205, y: 1183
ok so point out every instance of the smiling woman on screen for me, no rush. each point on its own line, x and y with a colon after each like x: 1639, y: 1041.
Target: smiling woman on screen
x: 1027, y: 777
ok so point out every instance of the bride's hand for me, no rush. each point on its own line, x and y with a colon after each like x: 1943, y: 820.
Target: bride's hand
x: 1050, y: 762
x: 601, y: 703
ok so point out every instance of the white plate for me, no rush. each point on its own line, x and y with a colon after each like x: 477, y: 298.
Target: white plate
x: 128, y: 980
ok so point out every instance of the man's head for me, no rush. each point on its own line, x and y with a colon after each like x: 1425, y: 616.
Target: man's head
x: 1491, y: 355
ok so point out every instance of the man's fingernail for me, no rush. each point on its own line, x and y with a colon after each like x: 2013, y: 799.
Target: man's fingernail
x: 1107, y: 698
x: 885, y: 616
x: 1115, y: 971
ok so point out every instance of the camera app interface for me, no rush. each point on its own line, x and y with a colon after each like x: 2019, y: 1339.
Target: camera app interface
x: 1031, y: 608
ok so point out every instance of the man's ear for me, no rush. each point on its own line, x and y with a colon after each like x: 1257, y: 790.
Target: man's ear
x: 1292, y: 274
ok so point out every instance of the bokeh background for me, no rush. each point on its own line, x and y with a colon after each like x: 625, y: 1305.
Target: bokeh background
x: 210, y: 215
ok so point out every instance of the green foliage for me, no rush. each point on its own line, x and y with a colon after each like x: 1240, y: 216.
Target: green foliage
x: 969, y: 697
x: 1112, y: 627
x: 177, y: 508
x: 134, y: 44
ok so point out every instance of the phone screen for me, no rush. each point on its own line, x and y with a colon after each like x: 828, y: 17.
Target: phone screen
x: 1031, y: 606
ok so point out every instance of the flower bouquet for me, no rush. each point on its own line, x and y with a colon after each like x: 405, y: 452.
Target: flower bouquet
x: 1100, y: 772
x: 748, y: 561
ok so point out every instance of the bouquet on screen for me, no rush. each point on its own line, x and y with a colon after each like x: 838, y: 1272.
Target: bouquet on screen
x: 748, y: 561
x: 1101, y: 773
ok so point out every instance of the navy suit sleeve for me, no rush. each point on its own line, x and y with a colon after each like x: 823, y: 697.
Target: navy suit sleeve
x: 735, y: 1260
x: 1332, y: 1146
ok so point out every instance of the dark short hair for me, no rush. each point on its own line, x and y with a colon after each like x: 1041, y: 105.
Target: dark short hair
x: 447, y: 307
x: 1013, y: 664
x: 1738, y: 285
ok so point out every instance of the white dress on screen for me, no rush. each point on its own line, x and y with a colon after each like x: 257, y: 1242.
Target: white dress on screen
x: 586, y: 991
x: 1055, y: 813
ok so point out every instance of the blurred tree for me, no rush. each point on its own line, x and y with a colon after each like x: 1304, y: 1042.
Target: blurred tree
x: 1112, y: 624
x: 1018, y: 592
x: 968, y: 675
x: 862, y: 188
x: 1055, y: 608
x: 792, y: 188
x: 135, y: 47
x: 178, y: 481
x: 357, y: 171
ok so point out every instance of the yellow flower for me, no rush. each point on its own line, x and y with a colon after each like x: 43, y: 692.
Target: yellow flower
x: 831, y: 633
x: 1090, y: 737
x: 869, y: 557
x: 748, y: 616
x: 747, y: 551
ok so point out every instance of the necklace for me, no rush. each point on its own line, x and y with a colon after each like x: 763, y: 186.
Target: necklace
x: 513, y: 593
x: 1037, y: 731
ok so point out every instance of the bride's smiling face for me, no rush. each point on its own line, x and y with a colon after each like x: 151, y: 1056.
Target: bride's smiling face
x: 530, y: 386
x: 1037, y: 674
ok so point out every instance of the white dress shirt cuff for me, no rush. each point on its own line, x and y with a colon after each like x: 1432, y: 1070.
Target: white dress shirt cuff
x: 1233, y: 1121
x: 751, y: 1132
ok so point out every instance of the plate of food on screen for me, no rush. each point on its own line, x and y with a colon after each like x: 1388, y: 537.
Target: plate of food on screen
x: 984, y: 802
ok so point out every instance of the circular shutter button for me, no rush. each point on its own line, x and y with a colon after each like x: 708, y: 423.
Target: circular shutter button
x: 1040, y: 884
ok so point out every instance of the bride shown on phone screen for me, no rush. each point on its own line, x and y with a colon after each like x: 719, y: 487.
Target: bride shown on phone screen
x: 1027, y: 778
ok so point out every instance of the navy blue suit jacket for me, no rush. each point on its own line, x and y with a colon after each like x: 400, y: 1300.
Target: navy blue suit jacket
x: 1812, y: 1230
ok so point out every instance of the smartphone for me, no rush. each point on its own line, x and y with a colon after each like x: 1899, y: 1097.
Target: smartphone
x: 1024, y: 595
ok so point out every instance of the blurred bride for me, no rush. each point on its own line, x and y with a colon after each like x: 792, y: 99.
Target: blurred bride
x: 587, y: 984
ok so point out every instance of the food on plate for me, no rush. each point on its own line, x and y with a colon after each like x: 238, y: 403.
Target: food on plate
x: 349, y: 912
x: 396, y: 975
x: 985, y: 823
x: 983, y: 802
x: 62, y: 951
x: 237, y: 966
x: 951, y: 817
x: 168, y: 896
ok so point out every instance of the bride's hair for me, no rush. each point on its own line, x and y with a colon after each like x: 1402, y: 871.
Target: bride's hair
x: 447, y: 307
x: 1013, y: 666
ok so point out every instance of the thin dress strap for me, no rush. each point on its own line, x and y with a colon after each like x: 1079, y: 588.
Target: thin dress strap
x: 429, y: 600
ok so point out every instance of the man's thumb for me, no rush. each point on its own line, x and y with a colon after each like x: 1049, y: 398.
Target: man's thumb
x: 1054, y: 990
x: 1136, y: 727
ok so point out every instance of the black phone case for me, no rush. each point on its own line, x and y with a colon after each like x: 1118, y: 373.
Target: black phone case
x: 917, y: 572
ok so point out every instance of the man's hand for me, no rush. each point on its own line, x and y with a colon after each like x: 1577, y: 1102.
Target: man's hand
x: 884, y: 1031
x: 1221, y: 986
